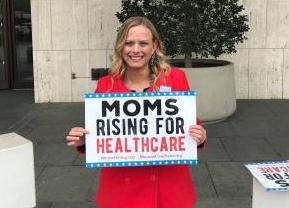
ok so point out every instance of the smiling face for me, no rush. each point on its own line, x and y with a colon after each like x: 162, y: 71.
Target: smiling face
x: 138, y: 48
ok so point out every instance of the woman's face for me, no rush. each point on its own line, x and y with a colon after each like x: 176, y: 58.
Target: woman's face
x: 138, y: 48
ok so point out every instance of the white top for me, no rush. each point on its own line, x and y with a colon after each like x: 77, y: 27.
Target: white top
x: 11, y: 141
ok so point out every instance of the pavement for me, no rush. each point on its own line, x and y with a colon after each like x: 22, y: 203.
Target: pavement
x: 258, y: 131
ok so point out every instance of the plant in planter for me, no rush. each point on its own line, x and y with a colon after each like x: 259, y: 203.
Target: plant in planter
x: 199, y: 29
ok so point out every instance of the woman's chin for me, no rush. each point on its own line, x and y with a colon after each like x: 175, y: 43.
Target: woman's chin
x: 136, y: 66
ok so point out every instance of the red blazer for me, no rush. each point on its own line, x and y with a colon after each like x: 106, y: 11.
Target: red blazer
x: 150, y: 186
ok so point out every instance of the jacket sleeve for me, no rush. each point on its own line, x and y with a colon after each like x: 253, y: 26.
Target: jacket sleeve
x: 81, y: 149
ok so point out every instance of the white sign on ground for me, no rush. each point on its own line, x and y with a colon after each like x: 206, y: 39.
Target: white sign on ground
x: 139, y: 129
x: 274, y: 176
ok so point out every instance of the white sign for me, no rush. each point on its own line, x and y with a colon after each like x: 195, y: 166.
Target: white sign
x: 140, y: 129
x: 274, y: 176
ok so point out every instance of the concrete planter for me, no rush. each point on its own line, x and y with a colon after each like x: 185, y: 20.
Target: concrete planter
x: 215, y: 87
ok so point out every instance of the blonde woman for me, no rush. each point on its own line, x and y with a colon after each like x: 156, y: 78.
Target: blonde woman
x: 139, y: 65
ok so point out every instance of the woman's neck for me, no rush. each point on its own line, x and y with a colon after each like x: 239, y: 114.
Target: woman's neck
x: 137, y: 79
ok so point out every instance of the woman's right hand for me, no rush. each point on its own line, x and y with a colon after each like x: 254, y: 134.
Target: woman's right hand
x: 76, y: 137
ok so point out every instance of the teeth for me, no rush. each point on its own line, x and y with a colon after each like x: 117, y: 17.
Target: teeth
x: 136, y: 58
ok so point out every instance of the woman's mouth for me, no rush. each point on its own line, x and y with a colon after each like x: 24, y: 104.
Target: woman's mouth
x: 135, y: 58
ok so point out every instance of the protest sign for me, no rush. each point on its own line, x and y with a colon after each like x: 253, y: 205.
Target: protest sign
x: 274, y: 176
x: 140, y: 129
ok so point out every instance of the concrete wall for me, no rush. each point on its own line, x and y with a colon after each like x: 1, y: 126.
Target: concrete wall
x: 72, y: 36
x: 262, y: 62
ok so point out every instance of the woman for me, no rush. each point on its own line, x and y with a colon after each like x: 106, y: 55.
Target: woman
x: 139, y: 65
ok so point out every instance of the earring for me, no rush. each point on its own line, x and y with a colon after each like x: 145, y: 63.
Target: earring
x: 154, y: 60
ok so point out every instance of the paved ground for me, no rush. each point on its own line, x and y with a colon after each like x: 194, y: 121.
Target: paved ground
x: 258, y: 131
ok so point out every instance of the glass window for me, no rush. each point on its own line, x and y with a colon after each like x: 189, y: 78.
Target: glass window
x: 23, y: 41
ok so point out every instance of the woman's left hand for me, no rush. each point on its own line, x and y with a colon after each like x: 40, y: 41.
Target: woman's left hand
x: 198, y: 133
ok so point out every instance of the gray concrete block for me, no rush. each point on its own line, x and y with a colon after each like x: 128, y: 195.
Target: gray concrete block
x: 47, y: 134
x: 253, y: 108
x: 64, y: 184
x: 213, y: 151
x: 80, y: 160
x: 17, y: 177
x: 221, y: 129
x: 203, y: 182
x: 38, y: 171
x: 280, y: 144
x: 267, y: 199
x: 224, y: 203
x: 231, y: 180
x: 278, y: 126
x: 44, y: 205
x: 54, y: 154
x: 73, y: 205
x: 93, y: 186
x: 279, y: 108
x: 4, y: 126
x: 253, y: 127
x: 60, y: 113
x: 249, y: 148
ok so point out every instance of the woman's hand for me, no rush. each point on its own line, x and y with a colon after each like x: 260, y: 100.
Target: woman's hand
x: 198, y: 133
x: 76, y: 137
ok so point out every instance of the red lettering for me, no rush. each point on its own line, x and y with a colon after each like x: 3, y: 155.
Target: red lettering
x: 163, y: 146
x: 284, y: 169
x: 268, y: 170
x: 276, y: 169
x: 118, y: 145
x: 273, y: 169
x: 181, y: 143
x: 261, y: 170
x: 108, y: 145
x: 126, y: 149
x: 145, y: 144
x: 173, y: 144
x: 100, y: 145
x: 135, y: 139
x: 154, y: 147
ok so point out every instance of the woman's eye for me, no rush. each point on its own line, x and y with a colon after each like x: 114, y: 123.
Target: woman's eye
x: 143, y: 44
x: 129, y: 43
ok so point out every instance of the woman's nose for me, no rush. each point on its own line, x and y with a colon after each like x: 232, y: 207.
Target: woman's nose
x: 135, y: 48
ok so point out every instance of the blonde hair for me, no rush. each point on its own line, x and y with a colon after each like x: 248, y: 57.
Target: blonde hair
x: 118, y: 65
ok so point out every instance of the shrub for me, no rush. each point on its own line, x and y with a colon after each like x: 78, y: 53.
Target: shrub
x: 200, y: 27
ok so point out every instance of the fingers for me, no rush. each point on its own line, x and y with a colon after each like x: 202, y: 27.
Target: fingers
x: 197, y: 130
x: 75, y: 143
x: 198, y: 133
x: 78, y: 131
x: 72, y: 138
x: 76, y: 137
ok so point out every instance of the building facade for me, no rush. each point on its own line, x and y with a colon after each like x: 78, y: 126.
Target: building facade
x: 72, y: 36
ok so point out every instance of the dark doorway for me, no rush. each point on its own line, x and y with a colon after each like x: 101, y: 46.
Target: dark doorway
x: 4, y: 81
x: 17, y: 44
x: 23, y: 70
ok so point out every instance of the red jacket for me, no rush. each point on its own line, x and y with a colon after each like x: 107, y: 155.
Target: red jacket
x: 150, y: 186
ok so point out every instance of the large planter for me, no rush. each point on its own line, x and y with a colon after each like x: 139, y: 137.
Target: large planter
x: 214, y: 82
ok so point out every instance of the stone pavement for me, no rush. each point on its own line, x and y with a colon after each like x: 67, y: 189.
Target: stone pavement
x: 258, y: 131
